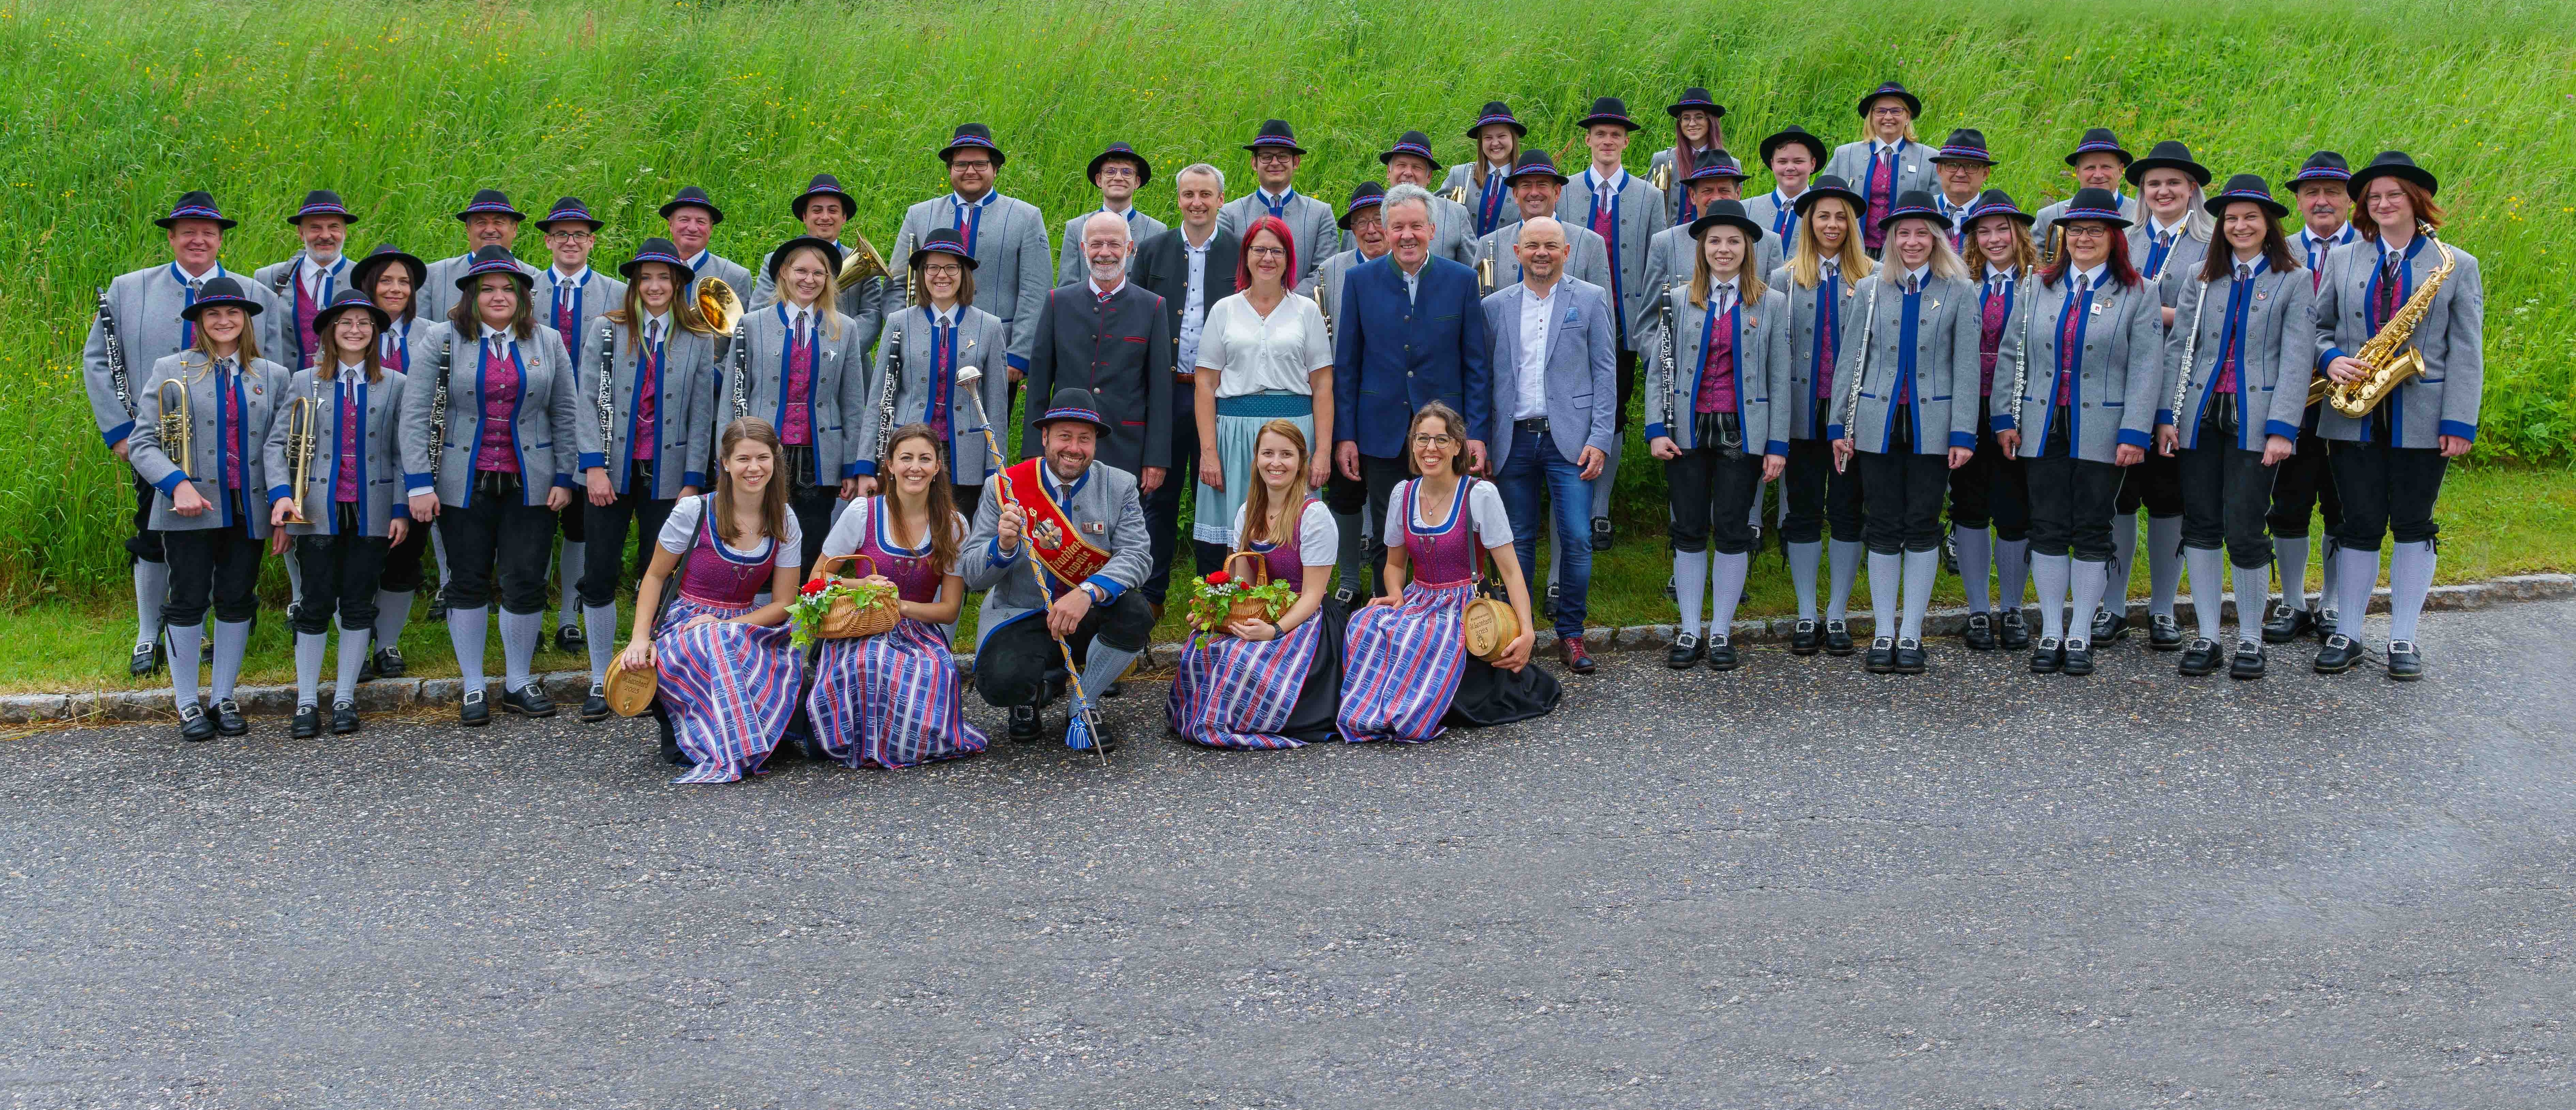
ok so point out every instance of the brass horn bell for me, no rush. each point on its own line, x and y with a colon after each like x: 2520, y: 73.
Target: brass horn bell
x: 719, y: 307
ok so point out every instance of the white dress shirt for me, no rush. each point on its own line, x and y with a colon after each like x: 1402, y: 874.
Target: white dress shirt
x: 1537, y: 312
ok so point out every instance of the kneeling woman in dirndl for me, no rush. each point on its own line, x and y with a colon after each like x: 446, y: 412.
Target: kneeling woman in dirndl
x: 1271, y: 684
x: 891, y: 700
x: 726, y: 670
x: 1407, y: 673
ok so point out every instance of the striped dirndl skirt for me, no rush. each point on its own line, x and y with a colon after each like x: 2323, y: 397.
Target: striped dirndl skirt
x: 893, y: 700
x: 1230, y: 692
x: 1401, y: 665
x: 729, y: 689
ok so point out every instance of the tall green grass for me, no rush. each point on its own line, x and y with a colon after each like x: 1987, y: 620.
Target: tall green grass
x: 405, y: 107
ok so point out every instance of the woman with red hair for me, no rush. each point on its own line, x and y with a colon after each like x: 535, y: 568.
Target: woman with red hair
x: 1264, y: 355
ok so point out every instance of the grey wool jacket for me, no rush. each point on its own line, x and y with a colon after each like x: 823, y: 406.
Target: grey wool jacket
x: 541, y: 428
x: 263, y: 386
x: 377, y: 462
x: 1104, y: 510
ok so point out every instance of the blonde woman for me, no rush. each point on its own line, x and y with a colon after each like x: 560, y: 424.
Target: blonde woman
x: 804, y: 375
x: 1824, y: 267
x: 1271, y: 683
x: 2168, y: 244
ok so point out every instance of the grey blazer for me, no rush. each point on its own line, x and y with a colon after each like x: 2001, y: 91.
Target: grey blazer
x: 542, y: 427
x: 264, y: 386
x: 146, y: 304
x: 1805, y: 353
x: 1070, y: 266
x: 1012, y: 271
x: 838, y: 389
x: 1105, y: 499
x: 595, y: 295
x: 980, y: 336
x: 865, y: 303
x: 1946, y: 366
x: 1669, y: 259
x: 1641, y: 215
x: 2444, y: 401
x: 2114, y: 395
x: 408, y: 352
x: 1581, y: 366
x: 1311, y: 225
x: 1463, y: 177
x: 1913, y: 169
x: 1453, y: 232
x: 293, y: 348
x: 438, y: 292
x: 2272, y: 366
x: 379, y: 457
x: 2048, y: 215
x: 1762, y: 358
x: 2182, y: 260
x: 1778, y: 235
x: 1590, y: 261
x: 686, y: 384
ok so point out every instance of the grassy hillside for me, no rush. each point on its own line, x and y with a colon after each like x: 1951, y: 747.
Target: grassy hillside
x: 406, y: 107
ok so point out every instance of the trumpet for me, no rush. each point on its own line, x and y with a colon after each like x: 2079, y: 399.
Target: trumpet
x: 1663, y: 177
x: 719, y: 307
x: 301, y: 438
x: 178, y: 423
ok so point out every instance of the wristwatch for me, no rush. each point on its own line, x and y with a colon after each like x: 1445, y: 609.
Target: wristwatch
x: 1098, y: 596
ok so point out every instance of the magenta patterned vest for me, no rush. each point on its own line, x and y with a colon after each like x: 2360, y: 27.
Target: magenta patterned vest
x: 914, y: 576
x: 716, y: 576
x: 1447, y: 556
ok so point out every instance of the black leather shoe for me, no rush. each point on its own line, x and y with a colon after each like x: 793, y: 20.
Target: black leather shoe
x: 2249, y: 661
x: 388, y: 662
x: 1721, y: 654
x: 1882, y: 656
x: 2341, y: 653
x: 2079, y: 659
x: 528, y: 701
x: 1024, y: 724
x: 228, y: 718
x: 2164, y: 633
x: 1909, y: 657
x: 474, y: 711
x: 2287, y: 624
x: 147, y: 659
x: 1547, y: 604
x: 2200, y: 659
x: 344, y: 718
x: 2327, y: 619
x: 1838, y: 638
x: 595, y: 706
x: 1602, y: 534
x: 1980, y: 633
x: 1101, y: 737
x: 568, y: 637
x: 1806, y: 638
x: 2047, y: 656
x: 437, y: 613
x: 194, y: 725
x: 2405, y: 663
x: 1685, y: 652
x: 2016, y: 632
x: 1950, y: 554
x: 2108, y: 627
x: 307, y: 723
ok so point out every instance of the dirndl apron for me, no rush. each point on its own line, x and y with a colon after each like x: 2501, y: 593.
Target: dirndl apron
x: 895, y: 699
x: 1230, y: 692
x: 728, y: 688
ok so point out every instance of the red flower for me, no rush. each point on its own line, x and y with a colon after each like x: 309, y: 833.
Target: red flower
x: 1219, y: 578
x: 818, y: 585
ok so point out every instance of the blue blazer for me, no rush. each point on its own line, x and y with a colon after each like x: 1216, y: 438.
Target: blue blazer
x: 1391, y: 357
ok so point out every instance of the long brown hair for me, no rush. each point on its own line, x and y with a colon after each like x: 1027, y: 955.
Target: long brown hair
x: 1807, y: 264
x: 2222, y: 254
x: 246, y: 349
x: 921, y: 285
x: 2025, y: 254
x: 470, y: 323
x: 1477, y: 167
x: 369, y: 355
x: 1448, y: 418
x: 945, y: 535
x: 1275, y: 523
x: 773, y: 497
x: 1748, y: 270
x: 2425, y: 210
x: 632, y: 314
x: 2118, y: 264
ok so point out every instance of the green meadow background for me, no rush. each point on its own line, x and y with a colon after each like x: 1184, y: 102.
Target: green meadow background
x: 406, y: 107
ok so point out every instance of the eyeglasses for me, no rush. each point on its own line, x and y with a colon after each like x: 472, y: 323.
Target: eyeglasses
x: 570, y: 236
x: 944, y: 269
x: 1273, y: 157
x: 1888, y: 110
x: 1266, y: 252
x: 1123, y: 173
x: 1434, y: 440
x: 2086, y: 231
x: 971, y: 164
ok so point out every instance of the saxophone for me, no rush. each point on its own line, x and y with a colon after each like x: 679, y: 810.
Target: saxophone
x: 2391, y: 353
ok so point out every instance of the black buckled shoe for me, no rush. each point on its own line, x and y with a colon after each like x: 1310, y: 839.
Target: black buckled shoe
x: 307, y: 723
x: 1806, y: 638
x: 1721, y: 654
x: 1838, y: 638
x: 2079, y: 659
x: 228, y: 718
x: 344, y: 718
x: 569, y: 637
x: 2249, y: 660
x: 1685, y: 652
x: 1024, y: 724
x: 473, y: 711
x: 437, y: 613
x: 2108, y: 627
x: 2341, y: 653
x: 147, y: 658
x: 2327, y: 619
x: 1980, y: 633
x: 388, y: 662
x: 2048, y: 656
x: 2405, y: 662
x: 595, y: 706
x: 1882, y: 656
x: 2287, y: 624
x: 2200, y: 659
x: 194, y: 726
x: 1602, y: 533
x: 1909, y: 656
x: 2164, y: 633
x: 528, y: 701
x: 2016, y: 631
x: 1547, y: 605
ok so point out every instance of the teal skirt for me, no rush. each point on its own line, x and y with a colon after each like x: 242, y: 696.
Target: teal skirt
x: 1238, y: 428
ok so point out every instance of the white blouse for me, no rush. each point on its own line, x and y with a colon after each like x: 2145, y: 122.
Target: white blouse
x: 680, y: 529
x: 1319, y: 540
x: 849, y: 530
x: 1254, y: 355
x: 1484, y: 507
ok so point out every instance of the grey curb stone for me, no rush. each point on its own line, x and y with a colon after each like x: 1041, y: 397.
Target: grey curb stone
x: 568, y: 687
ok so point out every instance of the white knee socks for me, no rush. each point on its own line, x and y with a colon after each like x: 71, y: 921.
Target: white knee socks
x: 519, y: 635
x: 2205, y: 564
x: 232, y: 645
x: 2050, y: 574
x: 2253, y: 588
x: 1846, y: 567
x: 2410, y: 577
x: 2164, y: 563
x: 570, y: 572
x: 2124, y: 555
x: 2330, y: 571
x: 1804, y: 560
x: 1102, y: 666
x: 2356, y: 572
x: 1885, y: 573
x: 1726, y: 588
x: 1921, y: 567
x: 393, y: 610
x: 2012, y: 573
x: 1976, y: 552
x: 465, y: 631
x: 353, y: 655
x: 183, y: 662
x: 1690, y: 587
x: 2291, y: 557
x: 310, y: 647
x: 2089, y: 580
x: 599, y: 623
x: 151, y: 592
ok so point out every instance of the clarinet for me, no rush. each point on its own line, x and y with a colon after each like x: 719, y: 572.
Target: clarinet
x: 117, y: 376
x: 607, y: 400
x: 893, y: 375
x: 278, y: 287
x: 741, y: 377
x: 1672, y: 368
x: 438, y: 410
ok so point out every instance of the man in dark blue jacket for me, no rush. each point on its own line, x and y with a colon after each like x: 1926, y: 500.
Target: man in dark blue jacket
x: 1411, y: 331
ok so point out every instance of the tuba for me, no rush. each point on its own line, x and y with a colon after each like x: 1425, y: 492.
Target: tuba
x: 178, y: 422
x: 2391, y: 353
x: 301, y: 438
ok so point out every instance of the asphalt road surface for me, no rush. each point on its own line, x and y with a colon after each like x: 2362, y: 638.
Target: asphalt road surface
x: 1792, y: 886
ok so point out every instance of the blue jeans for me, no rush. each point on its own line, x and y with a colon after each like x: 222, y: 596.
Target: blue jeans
x: 1535, y: 463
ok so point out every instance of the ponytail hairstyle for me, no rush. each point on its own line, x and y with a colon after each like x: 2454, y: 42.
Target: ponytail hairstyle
x: 773, y: 497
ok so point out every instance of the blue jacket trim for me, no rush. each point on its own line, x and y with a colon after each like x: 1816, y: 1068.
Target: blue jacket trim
x: 1776, y: 447
x: 118, y: 434
x: 864, y: 468
x: 2164, y: 416
x: 2455, y: 428
x: 279, y: 493
x: 2281, y: 428
x: 1107, y: 584
x: 416, y: 481
x: 594, y: 459
x: 2326, y: 358
x: 1834, y: 432
x: 1656, y: 431
x: 2133, y: 439
x: 693, y: 478
x: 1964, y: 439
x: 2002, y: 421
x: 564, y: 480
x: 1014, y: 361
x: 170, y: 483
